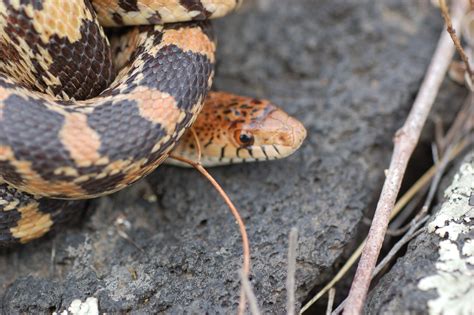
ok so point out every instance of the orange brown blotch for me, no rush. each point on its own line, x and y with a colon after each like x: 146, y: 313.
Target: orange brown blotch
x: 33, y: 224
x: 59, y: 18
x: 201, y: 44
x: 159, y: 108
x: 81, y: 141
x: 34, y: 184
x: 64, y: 189
x: 6, y: 153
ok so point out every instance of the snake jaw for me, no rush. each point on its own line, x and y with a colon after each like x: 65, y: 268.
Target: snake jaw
x: 276, y: 135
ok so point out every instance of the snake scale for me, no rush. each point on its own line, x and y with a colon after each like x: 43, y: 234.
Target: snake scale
x: 95, y: 95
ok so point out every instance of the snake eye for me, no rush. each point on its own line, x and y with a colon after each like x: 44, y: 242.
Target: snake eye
x: 244, y: 138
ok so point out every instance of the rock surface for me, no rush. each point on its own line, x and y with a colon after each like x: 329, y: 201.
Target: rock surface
x: 436, y: 275
x: 349, y: 70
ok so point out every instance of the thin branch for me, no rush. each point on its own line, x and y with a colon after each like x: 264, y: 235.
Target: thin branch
x: 290, y: 277
x: 396, y: 227
x: 399, y: 206
x: 120, y: 226
x: 235, y: 213
x: 411, y: 233
x: 197, y: 143
x: 331, y: 296
x: 402, y: 202
x: 405, y: 141
x: 254, y: 310
x: 452, y: 32
x: 464, y: 119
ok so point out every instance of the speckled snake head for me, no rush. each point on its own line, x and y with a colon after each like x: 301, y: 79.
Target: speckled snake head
x: 233, y: 129
x: 274, y: 135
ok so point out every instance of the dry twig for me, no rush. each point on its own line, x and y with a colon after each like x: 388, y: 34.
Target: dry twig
x: 405, y: 141
x: 249, y: 293
x: 290, y: 277
x: 404, y: 200
x: 235, y: 213
x: 452, y: 32
x: 332, y: 295
x: 411, y: 233
x: 399, y: 206
x: 396, y: 227
x: 413, y: 228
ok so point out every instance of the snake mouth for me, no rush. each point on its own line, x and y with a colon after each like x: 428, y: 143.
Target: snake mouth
x: 276, y: 136
x: 280, y: 136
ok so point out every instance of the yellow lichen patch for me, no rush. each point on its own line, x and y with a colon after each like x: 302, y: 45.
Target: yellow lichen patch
x: 81, y: 141
x: 190, y: 39
x: 33, y: 224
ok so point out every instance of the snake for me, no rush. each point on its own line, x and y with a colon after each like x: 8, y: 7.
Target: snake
x: 95, y: 95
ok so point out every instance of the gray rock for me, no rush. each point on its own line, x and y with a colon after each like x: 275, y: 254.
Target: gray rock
x: 436, y: 275
x: 349, y: 71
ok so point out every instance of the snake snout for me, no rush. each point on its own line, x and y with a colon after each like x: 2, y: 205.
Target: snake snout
x: 298, y: 131
x: 288, y: 131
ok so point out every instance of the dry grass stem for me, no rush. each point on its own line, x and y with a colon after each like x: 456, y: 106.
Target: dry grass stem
x: 254, y: 310
x: 411, y: 233
x: 198, y: 144
x: 290, y: 277
x: 452, y: 32
x: 400, y: 205
x: 235, y: 213
x: 331, y: 296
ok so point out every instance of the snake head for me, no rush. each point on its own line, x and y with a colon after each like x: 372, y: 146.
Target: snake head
x: 269, y: 134
x: 233, y: 129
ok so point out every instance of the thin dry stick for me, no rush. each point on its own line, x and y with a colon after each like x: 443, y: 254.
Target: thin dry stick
x: 198, y: 161
x: 405, y: 142
x: 420, y: 218
x: 198, y: 144
x: 436, y: 180
x: 290, y: 277
x: 452, y: 32
x: 250, y: 295
x: 396, y: 227
x: 235, y: 213
x: 411, y: 233
x: 331, y: 296
x: 464, y: 119
x: 404, y: 200
x: 455, y: 134
x: 400, y: 205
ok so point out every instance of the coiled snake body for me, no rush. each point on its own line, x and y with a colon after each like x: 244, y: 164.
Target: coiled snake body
x: 81, y: 117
